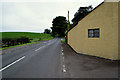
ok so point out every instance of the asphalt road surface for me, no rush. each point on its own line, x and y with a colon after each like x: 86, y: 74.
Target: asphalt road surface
x: 41, y: 60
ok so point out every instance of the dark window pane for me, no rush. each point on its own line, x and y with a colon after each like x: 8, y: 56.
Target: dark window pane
x: 96, y: 31
x: 96, y: 35
x: 93, y: 33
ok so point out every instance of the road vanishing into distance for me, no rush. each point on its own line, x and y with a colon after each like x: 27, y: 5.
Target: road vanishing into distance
x: 41, y: 60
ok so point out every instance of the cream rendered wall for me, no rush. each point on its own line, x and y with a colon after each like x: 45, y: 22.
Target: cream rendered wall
x: 119, y: 31
x: 105, y: 17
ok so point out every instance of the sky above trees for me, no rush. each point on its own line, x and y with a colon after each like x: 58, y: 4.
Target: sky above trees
x: 37, y: 15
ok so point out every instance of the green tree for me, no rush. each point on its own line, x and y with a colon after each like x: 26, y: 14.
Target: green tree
x: 81, y: 13
x: 47, y: 31
x: 59, y: 25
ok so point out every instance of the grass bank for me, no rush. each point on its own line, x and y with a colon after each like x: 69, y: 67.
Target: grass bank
x: 63, y: 40
x: 30, y: 35
x: 34, y: 37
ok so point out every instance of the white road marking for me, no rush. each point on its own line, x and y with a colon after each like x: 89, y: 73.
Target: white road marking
x: 63, y: 58
x: 12, y: 63
x: 62, y: 53
x: 64, y: 70
x: 38, y: 49
x: 63, y: 66
x: 45, y: 46
x: 61, y: 48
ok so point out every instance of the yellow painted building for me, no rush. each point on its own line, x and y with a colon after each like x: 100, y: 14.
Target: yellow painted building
x: 97, y: 34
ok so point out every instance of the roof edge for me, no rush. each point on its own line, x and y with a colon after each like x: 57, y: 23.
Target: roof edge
x: 86, y: 15
x: 111, y: 0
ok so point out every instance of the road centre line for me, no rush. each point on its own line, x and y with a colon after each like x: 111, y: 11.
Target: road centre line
x: 38, y: 49
x: 12, y: 63
x: 45, y: 46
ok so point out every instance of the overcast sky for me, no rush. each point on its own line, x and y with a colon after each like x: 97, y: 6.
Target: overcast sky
x: 37, y: 15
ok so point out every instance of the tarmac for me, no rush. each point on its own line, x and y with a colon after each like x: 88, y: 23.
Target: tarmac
x: 86, y: 66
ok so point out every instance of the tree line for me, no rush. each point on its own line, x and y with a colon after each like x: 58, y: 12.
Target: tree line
x: 60, y: 23
x: 81, y: 13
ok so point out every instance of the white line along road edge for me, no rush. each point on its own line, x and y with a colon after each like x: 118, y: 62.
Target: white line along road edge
x: 64, y: 70
x: 12, y: 63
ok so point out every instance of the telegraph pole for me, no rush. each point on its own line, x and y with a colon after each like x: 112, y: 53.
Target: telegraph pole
x: 68, y: 21
x: 68, y: 16
x: 68, y: 27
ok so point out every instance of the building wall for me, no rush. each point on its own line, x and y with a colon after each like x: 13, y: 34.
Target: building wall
x: 119, y: 31
x: 105, y: 17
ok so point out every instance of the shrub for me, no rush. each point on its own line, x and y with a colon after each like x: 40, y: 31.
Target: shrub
x: 6, y: 42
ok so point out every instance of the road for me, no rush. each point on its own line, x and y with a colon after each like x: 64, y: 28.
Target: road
x: 41, y: 60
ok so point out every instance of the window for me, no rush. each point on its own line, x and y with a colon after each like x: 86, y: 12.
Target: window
x: 93, y: 33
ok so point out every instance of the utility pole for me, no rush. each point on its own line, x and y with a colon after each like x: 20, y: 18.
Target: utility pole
x: 68, y: 22
x: 68, y: 27
x: 68, y: 16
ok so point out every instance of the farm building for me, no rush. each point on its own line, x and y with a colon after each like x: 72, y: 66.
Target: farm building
x: 97, y: 34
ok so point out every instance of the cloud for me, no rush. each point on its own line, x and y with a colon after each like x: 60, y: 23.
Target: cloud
x: 49, y: 0
x: 36, y: 16
x: 20, y: 17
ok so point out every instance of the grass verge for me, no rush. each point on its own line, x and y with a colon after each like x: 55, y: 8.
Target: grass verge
x: 48, y: 38
x: 63, y: 40
x: 44, y: 39
x: 34, y: 37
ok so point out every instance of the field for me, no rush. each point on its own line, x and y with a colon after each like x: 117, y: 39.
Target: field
x: 20, y: 38
x: 24, y: 34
